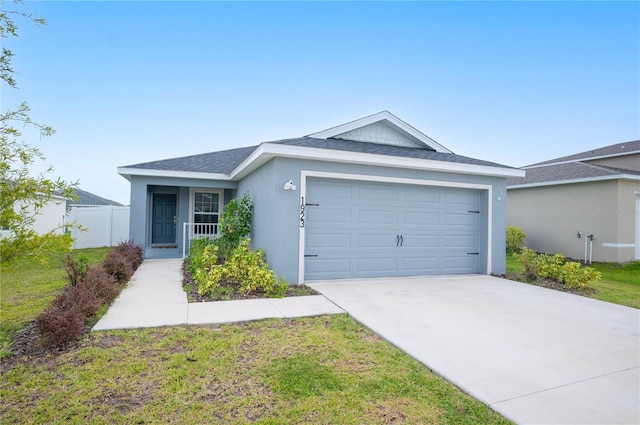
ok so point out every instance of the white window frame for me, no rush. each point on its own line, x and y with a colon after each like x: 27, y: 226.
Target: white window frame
x: 192, y: 201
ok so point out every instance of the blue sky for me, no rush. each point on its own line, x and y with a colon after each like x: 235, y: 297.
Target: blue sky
x: 509, y: 82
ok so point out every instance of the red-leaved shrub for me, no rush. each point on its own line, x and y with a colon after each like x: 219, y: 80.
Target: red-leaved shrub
x: 118, y: 266
x: 101, y: 283
x: 60, y: 326
x: 133, y: 253
x: 64, y: 320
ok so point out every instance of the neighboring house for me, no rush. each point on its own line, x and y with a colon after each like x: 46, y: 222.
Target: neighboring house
x: 49, y: 218
x: 373, y: 197
x: 104, y: 222
x: 562, y: 201
x: 85, y: 199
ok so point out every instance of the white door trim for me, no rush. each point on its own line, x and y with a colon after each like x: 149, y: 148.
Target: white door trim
x: 382, y: 179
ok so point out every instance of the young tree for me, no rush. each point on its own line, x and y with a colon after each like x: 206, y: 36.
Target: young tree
x: 22, y: 194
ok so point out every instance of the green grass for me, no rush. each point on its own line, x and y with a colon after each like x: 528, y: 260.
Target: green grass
x: 324, y: 370
x: 620, y: 283
x: 314, y: 370
x: 27, y: 288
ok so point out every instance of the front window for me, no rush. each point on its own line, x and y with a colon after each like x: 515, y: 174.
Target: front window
x: 206, y: 211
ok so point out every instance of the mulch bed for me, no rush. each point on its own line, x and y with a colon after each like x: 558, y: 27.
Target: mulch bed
x: 231, y: 291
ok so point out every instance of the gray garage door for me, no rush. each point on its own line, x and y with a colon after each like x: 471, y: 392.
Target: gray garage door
x: 370, y: 229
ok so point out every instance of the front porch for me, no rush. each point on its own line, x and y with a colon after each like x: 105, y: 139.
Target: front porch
x: 172, y: 216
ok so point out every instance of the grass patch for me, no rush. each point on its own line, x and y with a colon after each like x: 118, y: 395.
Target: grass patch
x: 312, y: 370
x: 620, y: 283
x: 28, y: 287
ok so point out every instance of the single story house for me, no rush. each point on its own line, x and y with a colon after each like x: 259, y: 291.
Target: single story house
x: 562, y: 202
x: 372, y: 197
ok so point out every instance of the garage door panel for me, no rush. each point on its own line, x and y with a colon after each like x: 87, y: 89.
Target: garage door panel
x: 456, y: 264
x: 380, y: 217
x: 384, y: 229
x: 378, y: 265
x: 424, y: 241
x: 460, y: 241
x: 319, y: 217
x: 422, y: 265
x: 421, y: 195
x: 333, y: 190
x: 419, y: 218
x: 329, y: 240
x: 461, y: 198
x: 460, y: 219
x: 316, y: 268
x: 368, y: 193
x: 369, y: 241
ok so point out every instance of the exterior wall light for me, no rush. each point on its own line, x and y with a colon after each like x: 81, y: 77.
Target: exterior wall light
x: 289, y: 185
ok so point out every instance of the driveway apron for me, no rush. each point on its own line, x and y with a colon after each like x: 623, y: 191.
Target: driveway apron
x: 533, y: 354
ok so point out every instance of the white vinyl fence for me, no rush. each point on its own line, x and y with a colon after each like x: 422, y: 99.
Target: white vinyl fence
x: 104, y: 226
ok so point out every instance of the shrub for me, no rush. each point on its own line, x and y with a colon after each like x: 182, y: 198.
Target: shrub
x: 102, y: 284
x: 118, y: 265
x: 196, y: 252
x: 58, y: 326
x: 206, y: 270
x: 235, y: 223
x: 515, y: 238
x: 249, y: 269
x: 76, y: 269
x: 246, y: 269
x: 133, y: 253
x: 557, y: 268
x: 529, y: 260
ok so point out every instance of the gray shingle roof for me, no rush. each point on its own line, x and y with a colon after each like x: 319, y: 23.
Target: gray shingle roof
x: 380, y: 149
x: 224, y: 162
x: 566, y: 171
x: 221, y: 162
x: 86, y: 198
x: 619, y: 148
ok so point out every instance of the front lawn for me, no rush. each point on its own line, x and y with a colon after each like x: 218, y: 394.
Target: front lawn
x: 620, y: 283
x: 29, y: 286
x: 321, y: 370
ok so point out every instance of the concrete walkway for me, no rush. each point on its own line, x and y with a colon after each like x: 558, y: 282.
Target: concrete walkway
x: 154, y: 297
x: 532, y: 354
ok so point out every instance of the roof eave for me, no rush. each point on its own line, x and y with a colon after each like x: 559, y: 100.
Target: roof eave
x: 128, y: 172
x: 631, y: 177
x: 267, y: 151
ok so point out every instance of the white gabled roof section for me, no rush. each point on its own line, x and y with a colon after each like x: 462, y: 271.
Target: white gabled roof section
x: 383, y: 128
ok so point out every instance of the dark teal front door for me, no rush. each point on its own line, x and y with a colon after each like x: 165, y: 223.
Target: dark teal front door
x: 164, y: 219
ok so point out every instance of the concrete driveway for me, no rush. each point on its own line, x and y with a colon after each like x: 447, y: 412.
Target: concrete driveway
x: 532, y: 354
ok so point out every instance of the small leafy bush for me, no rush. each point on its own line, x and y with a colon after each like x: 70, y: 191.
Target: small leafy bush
x: 196, y: 252
x: 59, y: 326
x: 133, y: 253
x: 246, y: 269
x: 76, y: 269
x: 103, y: 284
x: 558, y: 268
x: 235, y: 224
x: 515, y: 238
x: 118, y: 265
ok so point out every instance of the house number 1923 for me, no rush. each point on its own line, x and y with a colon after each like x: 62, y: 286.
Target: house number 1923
x: 302, y: 211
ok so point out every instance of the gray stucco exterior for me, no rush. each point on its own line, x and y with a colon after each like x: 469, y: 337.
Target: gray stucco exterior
x: 264, y: 169
x: 277, y: 212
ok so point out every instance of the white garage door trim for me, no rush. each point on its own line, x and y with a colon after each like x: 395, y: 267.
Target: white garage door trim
x: 362, y: 177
